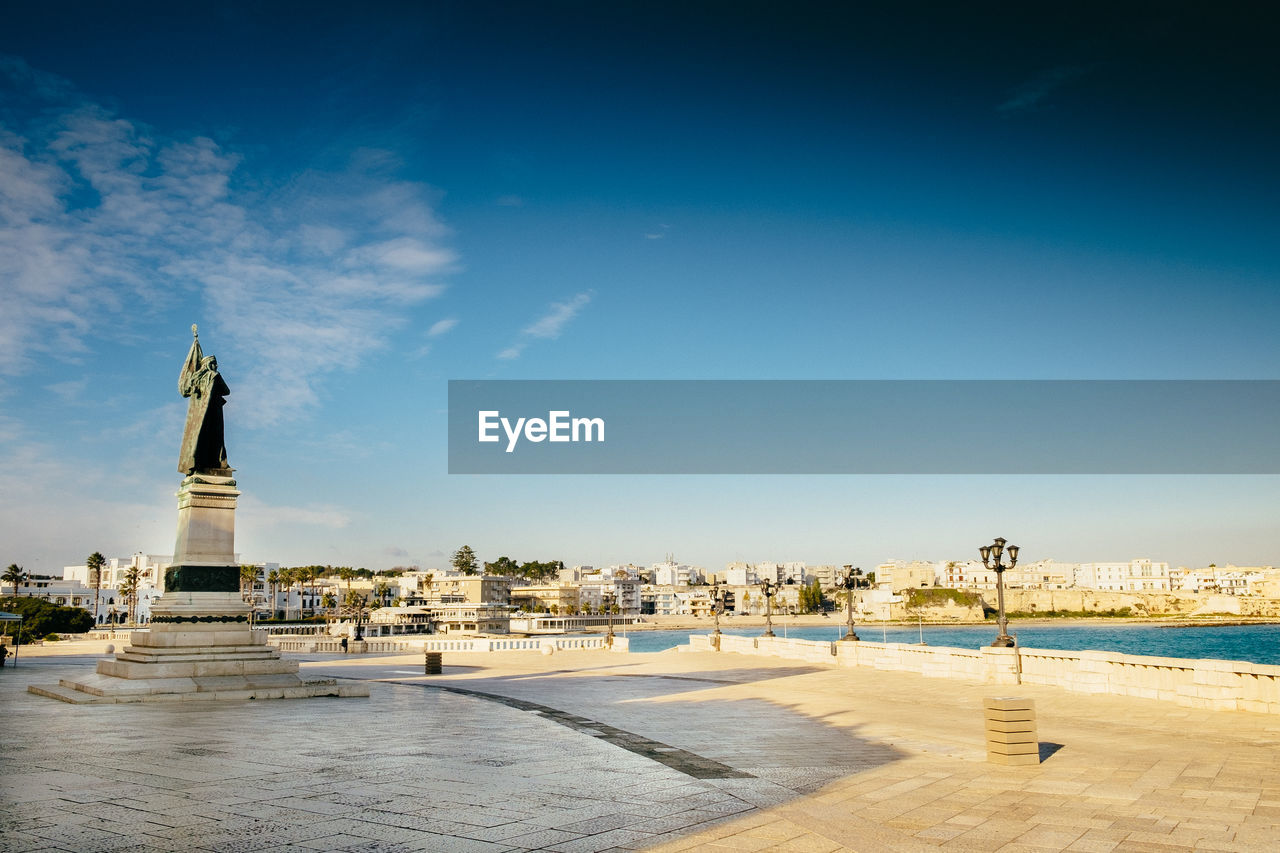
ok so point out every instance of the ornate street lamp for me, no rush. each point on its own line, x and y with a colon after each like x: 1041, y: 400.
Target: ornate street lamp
x: 991, y: 560
x: 717, y: 607
x: 608, y: 599
x: 770, y: 589
x: 852, y: 580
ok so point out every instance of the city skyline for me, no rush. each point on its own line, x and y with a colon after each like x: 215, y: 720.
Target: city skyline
x: 356, y: 208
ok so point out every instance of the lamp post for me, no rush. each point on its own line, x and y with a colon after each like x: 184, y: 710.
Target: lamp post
x: 991, y: 560
x: 608, y: 599
x: 717, y: 605
x: 770, y: 589
x: 852, y: 580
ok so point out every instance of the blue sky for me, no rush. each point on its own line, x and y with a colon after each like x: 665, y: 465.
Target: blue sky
x: 356, y: 207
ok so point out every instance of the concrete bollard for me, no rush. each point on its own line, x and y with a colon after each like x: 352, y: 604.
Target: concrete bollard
x: 1011, y: 731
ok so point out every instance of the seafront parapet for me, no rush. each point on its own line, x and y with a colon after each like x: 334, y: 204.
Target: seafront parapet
x: 1220, y: 685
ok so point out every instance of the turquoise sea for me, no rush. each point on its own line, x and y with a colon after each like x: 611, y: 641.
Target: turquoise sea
x: 1256, y: 643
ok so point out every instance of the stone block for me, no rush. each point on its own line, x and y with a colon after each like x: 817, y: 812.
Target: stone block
x: 1008, y: 703
x: 1014, y: 760
x: 1009, y: 716
x: 1011, y: 737
x: 1010, y: 726
x: 1013, y: 748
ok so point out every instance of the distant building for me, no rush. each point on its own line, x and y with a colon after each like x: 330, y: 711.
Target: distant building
x: 1140, y: 575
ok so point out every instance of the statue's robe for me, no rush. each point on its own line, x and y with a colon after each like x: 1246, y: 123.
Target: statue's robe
x: 203, y: 447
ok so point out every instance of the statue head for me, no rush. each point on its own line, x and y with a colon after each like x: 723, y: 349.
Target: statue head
x: 209, y: 363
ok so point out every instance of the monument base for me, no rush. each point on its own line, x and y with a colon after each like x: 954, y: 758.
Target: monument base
x: 200, y: 648
x: 195, y: 661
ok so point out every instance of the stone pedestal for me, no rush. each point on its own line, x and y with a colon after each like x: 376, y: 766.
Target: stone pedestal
x: 200, y: 645
x: 1011, y: 731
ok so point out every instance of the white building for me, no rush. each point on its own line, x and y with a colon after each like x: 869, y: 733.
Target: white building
x: 1141, y: 575
x: 740, y: 574
x: 675, y: 574
x: 150, y: 571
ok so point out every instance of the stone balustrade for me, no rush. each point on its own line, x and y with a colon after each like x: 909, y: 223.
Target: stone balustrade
x: 1214, y: 684
x: 411, y: 645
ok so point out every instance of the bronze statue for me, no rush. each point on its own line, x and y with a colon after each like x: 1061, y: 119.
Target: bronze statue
x: 203, y: 448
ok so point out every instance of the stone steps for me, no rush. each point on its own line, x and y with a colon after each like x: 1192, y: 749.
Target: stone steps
x: 132, y: 653
x: 301, y: 690
x: 199, y: 668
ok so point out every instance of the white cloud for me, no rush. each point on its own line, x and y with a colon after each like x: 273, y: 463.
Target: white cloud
x: 69, y: 390
x: 440, y: 327
x: 264, y: 515
x: 547, y: 327
x: 98, y: 212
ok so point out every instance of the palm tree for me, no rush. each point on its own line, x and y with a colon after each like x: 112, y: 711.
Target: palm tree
x: 14, y: 575
x: 95, y: 564
x: 273, y: 580
x: 329, y: 602
x: 346, y: 573
x: 285, y: 577
x: 129, y: 589
x: 248, y: 574
x: 313, y: 574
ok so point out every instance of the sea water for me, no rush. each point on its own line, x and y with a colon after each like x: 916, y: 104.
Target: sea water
x: 1255, y: 643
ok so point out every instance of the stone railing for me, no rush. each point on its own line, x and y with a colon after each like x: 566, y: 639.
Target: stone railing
x: 114, y: 634
x: 533, y: 644
x: 1214, y: 684
x: 312, y: 644
x: 1225, y: 685
x: 333, y: 645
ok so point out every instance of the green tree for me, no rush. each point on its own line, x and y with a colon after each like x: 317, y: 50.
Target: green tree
x: 273, y: 581
x: 248, y: 576
x: 329, y: 602
x: 305, y: 577
x: 811, y: 597
x: 41, y: 618
x: 95, y: 564
x: 129, y: 589
x: 346, y: 573
x: 503, y: 566
x: 464, y: 560
x: 285, y: 579
x: 14, y: 575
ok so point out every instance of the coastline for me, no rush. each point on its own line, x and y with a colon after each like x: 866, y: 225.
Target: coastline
x: 814, y: 620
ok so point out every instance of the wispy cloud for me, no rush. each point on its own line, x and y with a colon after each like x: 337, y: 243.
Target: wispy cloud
x: 1032, y: 93
x: 440, y: 327
x: 265, y: 515
x: 98, y: 212
x: 69, y: 390
x: 547, y: 327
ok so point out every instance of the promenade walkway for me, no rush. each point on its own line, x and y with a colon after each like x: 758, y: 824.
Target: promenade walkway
x: 591, y: 751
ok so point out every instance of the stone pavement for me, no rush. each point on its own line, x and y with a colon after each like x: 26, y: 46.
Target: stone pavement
x: 589, y: 751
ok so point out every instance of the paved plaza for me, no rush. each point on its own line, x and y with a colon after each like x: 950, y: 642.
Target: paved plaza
x: 592, y: 751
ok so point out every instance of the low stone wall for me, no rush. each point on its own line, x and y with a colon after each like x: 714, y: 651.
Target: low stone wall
x: 534, y: 644
x: 1214, y: 684
x: 420, y: 644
